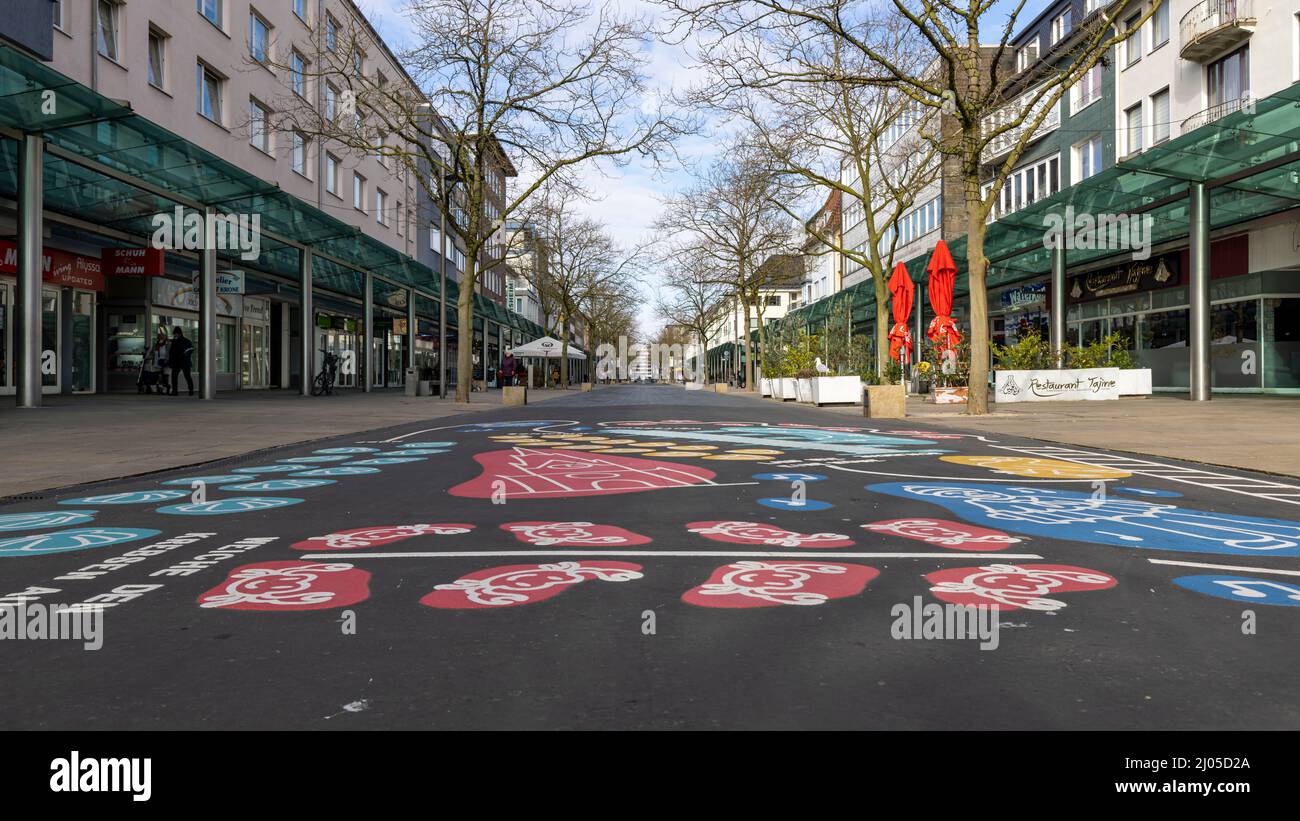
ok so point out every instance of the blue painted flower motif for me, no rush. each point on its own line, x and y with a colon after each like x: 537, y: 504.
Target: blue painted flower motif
x: 412, y: 452
x: 781, y: 503
x: 789, y: 477
x: 288, y: 483
x: 1078, y: 516
x: 135, y: 497
x: 221, y: 507
x: 427, y: 445
x: 341, y: 470
x: 389, y: 460
x: 268, y: 469
x: 1243, y: 589
x: 312, y: 459
x: 215, y: 479
x: 64, y: 541
x: 47, y: 518
x: 333, y: 451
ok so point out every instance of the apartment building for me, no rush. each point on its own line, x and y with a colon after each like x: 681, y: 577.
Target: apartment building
x: 784, y: 275
x: 170, y: 109
x: 822, y: 264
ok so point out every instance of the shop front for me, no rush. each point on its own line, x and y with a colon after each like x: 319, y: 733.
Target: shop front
x: 1018, y: 311
x: 69, y: 301
x: 340, y: 335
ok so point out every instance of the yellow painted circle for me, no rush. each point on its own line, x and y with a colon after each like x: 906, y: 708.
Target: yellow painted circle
x: 1037, y: 467
x: 758, y: 451
x: 735, y: 457
x: 697, y: 447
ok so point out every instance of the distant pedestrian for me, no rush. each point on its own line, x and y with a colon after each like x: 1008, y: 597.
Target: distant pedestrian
x: 154, y: 365
x: 508, y: 368
x: 179, y: 357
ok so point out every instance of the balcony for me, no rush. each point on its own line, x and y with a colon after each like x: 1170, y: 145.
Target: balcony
x: 1214, y: 112
x: 1213, y: 27
x: 1010, y: 139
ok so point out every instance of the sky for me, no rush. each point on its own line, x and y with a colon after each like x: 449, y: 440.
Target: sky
x: 630, y: 197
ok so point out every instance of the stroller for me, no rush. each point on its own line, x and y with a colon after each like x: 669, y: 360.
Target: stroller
x: 150, y: 379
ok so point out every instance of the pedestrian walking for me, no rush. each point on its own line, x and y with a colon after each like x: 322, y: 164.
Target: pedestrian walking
x: 153, y: 366
x: 508, y: 368
x: 179, y: 357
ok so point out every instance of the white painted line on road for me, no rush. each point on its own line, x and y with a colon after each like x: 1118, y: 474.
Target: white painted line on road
x: 690, y: 554
x: 1268, y: 570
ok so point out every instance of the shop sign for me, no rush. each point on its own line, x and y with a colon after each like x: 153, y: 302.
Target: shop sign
x: 229, y: 283
x: 169, y: 293
x: 1066, y: 385
x: 1032, y: 294
x: 133, y: 262
x: 257, y: 309
x: 57, y: 267
x: 1139, y: 275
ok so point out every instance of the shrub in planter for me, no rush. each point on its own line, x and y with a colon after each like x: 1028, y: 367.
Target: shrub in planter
x: 1030, y: 353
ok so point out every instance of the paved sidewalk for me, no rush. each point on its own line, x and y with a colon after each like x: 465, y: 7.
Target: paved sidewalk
x: 79, y: 439
x: 1260, y: 433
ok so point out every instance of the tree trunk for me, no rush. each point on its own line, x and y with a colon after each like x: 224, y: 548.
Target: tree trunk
x: 564, y: 361
x: 746, y: 353
x: 465, y: 338
x: 977, y: 393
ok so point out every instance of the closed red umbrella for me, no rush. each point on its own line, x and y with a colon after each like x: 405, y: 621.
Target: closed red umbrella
x: 901, y: 291
x: 942, y: 276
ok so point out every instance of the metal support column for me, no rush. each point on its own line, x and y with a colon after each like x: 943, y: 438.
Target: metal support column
x: 442, y: 306
x: 1056, y: 334
x: 31, y: 204
x: 368, y: 331
x: 1198, y: 211
x: 307, y: 323
x: 410, y: 328
x: 207, y: 287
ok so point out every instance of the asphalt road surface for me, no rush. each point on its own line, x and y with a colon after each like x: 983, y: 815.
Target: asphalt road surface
x: 647, y: 557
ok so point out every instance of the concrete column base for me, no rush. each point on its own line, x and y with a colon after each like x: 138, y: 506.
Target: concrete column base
x: 586, y: 386
x: 720, y: 387
x: 884, y: 402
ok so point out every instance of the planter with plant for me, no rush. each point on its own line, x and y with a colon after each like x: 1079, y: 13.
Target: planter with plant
x: 847, y: 360
x: 1029, y: 371
x: 950, y: 371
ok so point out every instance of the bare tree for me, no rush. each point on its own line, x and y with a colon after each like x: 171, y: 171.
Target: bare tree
x: 692, y: 298
x: 989, y: 101
x: 586, y: 271
x: 496, y: 88
x: 734, y: 217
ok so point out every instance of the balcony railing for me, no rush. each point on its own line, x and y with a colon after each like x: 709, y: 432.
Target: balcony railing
x: 1006, y: 141
x: 1214, y: 26
x: 1214, y: 112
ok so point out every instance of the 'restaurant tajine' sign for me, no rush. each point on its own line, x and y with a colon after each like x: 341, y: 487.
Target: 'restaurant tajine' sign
x: 1139, y: 275
x: 1056, y: 385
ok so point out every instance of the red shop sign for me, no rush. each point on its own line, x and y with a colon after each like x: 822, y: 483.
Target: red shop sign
x: 57, y: 267
x: 132, y: 262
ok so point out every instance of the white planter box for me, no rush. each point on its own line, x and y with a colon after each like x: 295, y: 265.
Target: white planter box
x: 1068, y: 385
x: 765, y: 386
x: 949, y: 396
x: 1135, y: 382
x: 803, y: 390
x: 789, y: 390
x: 830, y: 390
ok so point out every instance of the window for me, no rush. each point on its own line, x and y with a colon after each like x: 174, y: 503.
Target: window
x: 332, y: 174
x: 209, y: 93
x: 1160, y: 26
x: 1228, y: 79
x: 1061, y: 25
x: 298, y: 74
x: 108, y: 12
x: 1087, y: 91
x: 1160, y: 117
x: 381, y: 206
x: 1026, y: 185
x: 211, y: 9
x: 300, y: 9
x: 358, y: 192
x: 157, y: 59
x: 1027, y: 55
x: 1087, y: 159
x: 1133, y: 45
x: 298, y: 153
x: 331, y: 33
x: 358, y: 63
x: 259, y: 135
x: 259, y: 38
x: 435, y: 239
x: 331, y: 102
x: 1133, y: 128
x: 58, y: 14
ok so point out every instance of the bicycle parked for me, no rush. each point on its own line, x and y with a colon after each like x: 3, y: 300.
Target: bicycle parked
x: 324, y: 384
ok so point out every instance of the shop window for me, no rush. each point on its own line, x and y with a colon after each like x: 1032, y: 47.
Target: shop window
x: 1164, y: 348
x: 1234, y: 344
x: 1281, y: 353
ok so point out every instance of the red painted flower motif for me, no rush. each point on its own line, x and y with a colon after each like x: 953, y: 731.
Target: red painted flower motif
x: 573, y: 534
x: 524, y: 583
x: 530, y: 473
x: 1013, y: 587
x: 376, y: 535
x: 289, y: 586
x: 755, y: 533
x: 771, y: 584
x: 945, y: 533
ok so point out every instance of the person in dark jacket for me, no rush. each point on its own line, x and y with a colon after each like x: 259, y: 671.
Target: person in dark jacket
x: 509, y: 367
x: 179, y: 358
